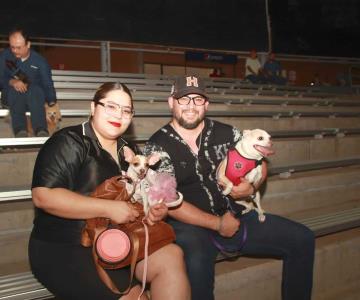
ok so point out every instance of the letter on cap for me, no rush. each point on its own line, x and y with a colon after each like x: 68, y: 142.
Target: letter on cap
x: 192, y: 81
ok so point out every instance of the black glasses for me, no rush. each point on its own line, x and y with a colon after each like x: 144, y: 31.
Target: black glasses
x: 197, y: 100
x: 117, y: 111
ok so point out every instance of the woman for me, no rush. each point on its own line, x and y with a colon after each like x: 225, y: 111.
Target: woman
x: 68, y: 168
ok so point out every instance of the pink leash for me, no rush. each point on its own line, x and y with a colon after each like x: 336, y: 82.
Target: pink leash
x: 146, y: 254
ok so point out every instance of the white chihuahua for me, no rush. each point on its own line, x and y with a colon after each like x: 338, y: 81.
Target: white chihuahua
x: 245, y: 161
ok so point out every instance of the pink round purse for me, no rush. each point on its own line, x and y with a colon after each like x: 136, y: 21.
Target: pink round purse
x: 112, y: 246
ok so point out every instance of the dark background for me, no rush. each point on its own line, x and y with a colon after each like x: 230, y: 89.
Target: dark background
x: 308, y: 27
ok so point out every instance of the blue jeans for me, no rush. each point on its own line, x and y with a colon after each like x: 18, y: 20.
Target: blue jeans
x: 33, y: 100
x: 277, y: 237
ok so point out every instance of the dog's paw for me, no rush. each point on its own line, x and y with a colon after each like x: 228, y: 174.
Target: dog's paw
x: 262, y: 218
x: 245, y: 211
x: 226, y: 191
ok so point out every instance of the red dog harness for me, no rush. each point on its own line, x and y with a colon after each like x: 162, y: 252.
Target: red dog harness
x: 238, y: 166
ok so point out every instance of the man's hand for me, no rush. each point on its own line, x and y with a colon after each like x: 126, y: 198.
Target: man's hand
x: 18, y: 85
x: 244, y: 189
x: 228, y: 225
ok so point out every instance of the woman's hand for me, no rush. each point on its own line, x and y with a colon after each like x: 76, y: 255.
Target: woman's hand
x: 228, y: 225
x: 156, y: 213
x: 121, y: 212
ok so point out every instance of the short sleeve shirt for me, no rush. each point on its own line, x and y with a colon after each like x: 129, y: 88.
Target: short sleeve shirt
x: 72, y: 159
x: 254, y: 64
x: 196, y: 174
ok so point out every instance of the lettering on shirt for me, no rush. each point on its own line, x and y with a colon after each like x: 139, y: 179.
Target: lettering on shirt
x: 220, y: 151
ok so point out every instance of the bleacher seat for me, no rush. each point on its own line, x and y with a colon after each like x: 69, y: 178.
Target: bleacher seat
x: 313, y: 178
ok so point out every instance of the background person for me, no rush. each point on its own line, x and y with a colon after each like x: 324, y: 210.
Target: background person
x: 272, y: 70
x: 70, y: 165
x: 26, y: 79
x: 253, y: 68
x: 216, y: 72
x: 192, y: 147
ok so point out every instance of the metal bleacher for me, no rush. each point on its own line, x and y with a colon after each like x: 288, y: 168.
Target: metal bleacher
x: 232, y: 100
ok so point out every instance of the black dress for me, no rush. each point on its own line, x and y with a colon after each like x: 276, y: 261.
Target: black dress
x: 73, y: 159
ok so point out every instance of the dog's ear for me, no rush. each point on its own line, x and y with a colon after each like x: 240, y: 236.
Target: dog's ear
x: 246, y: 132
x: 128, y: 154
x: 153, y: 158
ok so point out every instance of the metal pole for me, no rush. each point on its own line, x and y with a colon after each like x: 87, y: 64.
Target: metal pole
x: 140, y: 62
x: 268, y: 23
x: 105, y: 57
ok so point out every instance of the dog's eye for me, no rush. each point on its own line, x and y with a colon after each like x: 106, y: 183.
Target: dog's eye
x: 147, y: 165
x: 136, y: 164
x: 260, y: 138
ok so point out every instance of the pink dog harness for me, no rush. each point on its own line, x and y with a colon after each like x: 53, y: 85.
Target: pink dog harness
x: 238, y: 166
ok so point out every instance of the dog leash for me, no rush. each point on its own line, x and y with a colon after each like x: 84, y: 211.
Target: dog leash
x: 223, y: 250
x: 146, y: 255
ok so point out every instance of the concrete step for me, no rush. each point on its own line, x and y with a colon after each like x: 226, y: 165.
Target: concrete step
x: 221, y: 105
x: 16, y: 215
x: 16, y: 223
x: 336, y: 271
x: 17, y: 168
x: 19, y: 163
x: 294, y: 150
x: 305, y: 191
x: 14, y: 249
x: 311, y: 190
x: 148, y: 125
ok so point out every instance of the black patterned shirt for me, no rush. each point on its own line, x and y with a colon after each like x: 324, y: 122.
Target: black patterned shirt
x: 196, y: 173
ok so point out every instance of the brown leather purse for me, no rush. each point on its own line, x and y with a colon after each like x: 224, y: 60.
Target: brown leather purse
x: 159, y: 234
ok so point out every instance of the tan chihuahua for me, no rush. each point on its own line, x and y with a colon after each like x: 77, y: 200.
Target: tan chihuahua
x: 142, y: 176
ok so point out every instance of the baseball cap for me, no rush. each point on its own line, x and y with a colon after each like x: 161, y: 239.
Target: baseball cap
x: 188, y: 85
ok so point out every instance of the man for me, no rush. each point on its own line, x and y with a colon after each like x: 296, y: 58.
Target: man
x: 191, y: 148
x: 272, y: 70
x: 26, y: 80
x: 253, y: 71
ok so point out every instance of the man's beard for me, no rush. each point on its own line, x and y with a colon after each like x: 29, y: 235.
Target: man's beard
x: 183, y: 123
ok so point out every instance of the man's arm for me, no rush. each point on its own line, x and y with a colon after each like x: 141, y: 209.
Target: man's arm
x: 190, y: 214
x: 47, y: 83
x: 227, y: 225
